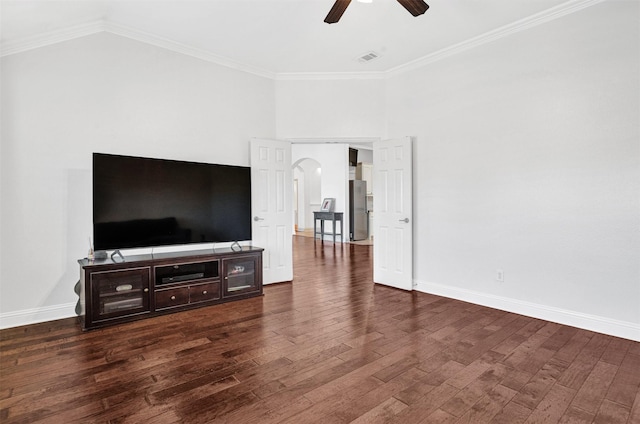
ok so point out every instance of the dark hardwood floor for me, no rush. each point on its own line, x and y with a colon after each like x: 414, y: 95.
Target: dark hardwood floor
x: 331, y: 347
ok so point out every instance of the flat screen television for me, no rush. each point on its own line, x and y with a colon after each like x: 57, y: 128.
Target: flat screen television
x: 145, y: 202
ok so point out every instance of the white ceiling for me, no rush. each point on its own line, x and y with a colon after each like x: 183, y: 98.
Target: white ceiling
x: 280, y: 37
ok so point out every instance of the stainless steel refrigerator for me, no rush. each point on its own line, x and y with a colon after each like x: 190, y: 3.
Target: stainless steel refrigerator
x: 358, y: 219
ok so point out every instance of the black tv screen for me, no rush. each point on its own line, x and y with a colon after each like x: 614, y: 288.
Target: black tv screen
x: 145, y: 202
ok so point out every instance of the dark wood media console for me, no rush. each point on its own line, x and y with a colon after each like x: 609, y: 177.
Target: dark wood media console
x: 112, y: 292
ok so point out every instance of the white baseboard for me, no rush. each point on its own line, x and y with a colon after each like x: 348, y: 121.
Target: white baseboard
x: 36, y: 315
x: 624, y: 329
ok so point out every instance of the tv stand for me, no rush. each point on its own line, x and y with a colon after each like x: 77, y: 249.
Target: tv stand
x: 113, y: 291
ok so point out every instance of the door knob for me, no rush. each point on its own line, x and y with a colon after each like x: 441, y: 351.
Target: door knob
x: 257, y: 218
x: 406, y: 220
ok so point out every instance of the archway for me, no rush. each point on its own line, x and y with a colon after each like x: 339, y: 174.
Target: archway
x: 307, y: 193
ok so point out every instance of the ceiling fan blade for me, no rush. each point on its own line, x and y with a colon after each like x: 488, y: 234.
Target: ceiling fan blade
x: 336, y: 11
x: 415, y: 7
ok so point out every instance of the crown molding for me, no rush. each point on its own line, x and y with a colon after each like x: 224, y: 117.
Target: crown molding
x: 316, y: 76
x: 333, y: 140
x: 82, y: 30
x: 168, y: 44
x: 532, y: 21
x: 53, y: 37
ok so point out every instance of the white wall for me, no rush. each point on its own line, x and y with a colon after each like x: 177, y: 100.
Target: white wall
x: 330, y: 108
x: 365, y: 156
x: 308, y: 172
x: 527, y: 157
x: 299, y: 202
x: 101, y: 93
x: 334, y: 176
x: 528, y: 160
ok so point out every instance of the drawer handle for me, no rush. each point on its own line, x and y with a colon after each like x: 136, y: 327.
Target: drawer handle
x: 204, y: 292
x: 176, y: 267
x: 173, y: 298
x: 146, y: 290
x: 124, y: 287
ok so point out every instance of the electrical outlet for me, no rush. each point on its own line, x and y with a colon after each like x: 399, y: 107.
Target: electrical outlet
x: 500, y: 275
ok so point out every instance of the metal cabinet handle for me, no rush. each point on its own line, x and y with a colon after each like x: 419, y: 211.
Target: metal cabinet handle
x: 146, y: 290
x: 406, y: 220
x: 257, y: 218
x: 204, y: 292
x: 173, y: 298
x: 124, y: 287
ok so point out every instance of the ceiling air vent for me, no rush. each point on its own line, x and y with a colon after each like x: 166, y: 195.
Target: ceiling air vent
x: 368, y: 57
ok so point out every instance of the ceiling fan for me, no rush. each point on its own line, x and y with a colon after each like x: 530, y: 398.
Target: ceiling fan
x: 415, y: 7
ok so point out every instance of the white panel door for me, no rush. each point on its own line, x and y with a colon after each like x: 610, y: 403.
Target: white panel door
x: 392, y: 194
x: 271, y: 205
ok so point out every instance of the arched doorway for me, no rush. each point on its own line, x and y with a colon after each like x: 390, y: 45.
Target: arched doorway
x: 306, y: 194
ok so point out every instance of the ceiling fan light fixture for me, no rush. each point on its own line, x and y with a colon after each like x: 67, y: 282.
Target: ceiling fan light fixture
x: 415, y: 7
x: 336, y: 11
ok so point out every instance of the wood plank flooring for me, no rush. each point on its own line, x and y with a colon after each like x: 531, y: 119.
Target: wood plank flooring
x: 331, y: 347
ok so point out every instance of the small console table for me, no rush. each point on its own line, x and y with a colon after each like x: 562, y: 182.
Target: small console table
x: 327, y: 216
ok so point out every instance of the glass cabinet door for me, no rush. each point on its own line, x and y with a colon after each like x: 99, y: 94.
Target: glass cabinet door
x: 240, y: 276
x: 119, y: 293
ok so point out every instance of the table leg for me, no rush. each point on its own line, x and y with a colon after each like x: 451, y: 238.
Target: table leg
x: 333, y: 221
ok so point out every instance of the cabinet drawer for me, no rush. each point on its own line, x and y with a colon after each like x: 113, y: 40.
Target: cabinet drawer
x: 204, y: 292
x: 172, y: 297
